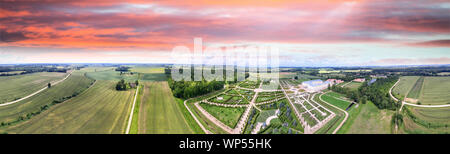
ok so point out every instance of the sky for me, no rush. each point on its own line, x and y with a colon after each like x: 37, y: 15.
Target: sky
x: 308, y: 33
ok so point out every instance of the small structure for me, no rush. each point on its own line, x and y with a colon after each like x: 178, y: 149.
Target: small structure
x: 219, y: 98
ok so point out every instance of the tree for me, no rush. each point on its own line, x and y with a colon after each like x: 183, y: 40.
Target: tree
x: 49, y: 85
x: 136, y: 82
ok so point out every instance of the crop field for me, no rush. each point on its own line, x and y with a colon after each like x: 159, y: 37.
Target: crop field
x: 354, y: 85
x: 100, y: 109
x: 140, y: 69
x: 426, y: 120
x: 159, y: 113
x: 112, y: 76
x: 18, y: 86
x: 405, y: 85
x: 371, y: 120
x: 336, y: 102
x: 435, y: 91
x: 228, y: 116
x: 415, y: 91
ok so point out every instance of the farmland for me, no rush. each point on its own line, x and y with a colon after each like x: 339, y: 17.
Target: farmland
x: 18, y: 86
x: 73, y: 85
x: 405, y: 85
x: 371, y: 120
x: 100, y: 109
x: 159, y: 113
x: 419, y: 120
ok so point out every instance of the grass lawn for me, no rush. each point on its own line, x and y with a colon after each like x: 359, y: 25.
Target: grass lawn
x: 159, y: 112
x: 419, y: 120
x: 227, y: 115
x: 100, y: 109
x: 19, y: 86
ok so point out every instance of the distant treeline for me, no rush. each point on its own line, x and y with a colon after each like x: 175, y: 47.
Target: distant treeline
x: 377, y: 92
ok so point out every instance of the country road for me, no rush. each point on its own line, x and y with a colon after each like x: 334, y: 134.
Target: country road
x: 37, y: 92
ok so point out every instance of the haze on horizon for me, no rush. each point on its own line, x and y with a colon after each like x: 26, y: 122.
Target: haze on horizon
x: 308, y: 33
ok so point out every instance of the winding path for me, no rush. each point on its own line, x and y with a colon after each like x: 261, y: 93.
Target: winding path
x: 37, y: 92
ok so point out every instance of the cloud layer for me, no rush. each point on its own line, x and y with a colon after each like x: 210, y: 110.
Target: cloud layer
x: 156, y: 27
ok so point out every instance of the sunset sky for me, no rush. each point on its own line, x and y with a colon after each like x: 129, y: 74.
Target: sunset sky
x: 308, y: 33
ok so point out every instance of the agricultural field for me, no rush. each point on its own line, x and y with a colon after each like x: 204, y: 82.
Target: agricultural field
x: 404, y: 86
x: 419, y: 120
x: 227, y: 115
x: 336, y: 102
x: 100, y: 109
x: 159, y: 112
x: 18, y: 86
x: 112, y: 75
x: 415, y: 91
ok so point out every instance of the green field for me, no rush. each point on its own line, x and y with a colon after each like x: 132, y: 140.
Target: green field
x: 404, y: 86
x: 435, y: 91
x: 419, y: 120
x: 371, y: 120
x: 18, y: 86
x: 148, y: 69
x: 159, y: 112
x: 227, y: 115
x: 354, y: 85
x: 336, y: 102
x: 264, y: 115
x: 100, y: 109
x: 415, y: 91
